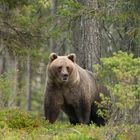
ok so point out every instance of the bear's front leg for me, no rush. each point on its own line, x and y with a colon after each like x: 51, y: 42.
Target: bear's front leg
x: 83, y: 112
x: 52, y: 106
x: 51, y: 112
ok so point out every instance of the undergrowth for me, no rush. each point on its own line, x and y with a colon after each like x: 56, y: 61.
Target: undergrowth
x: 16, y: 124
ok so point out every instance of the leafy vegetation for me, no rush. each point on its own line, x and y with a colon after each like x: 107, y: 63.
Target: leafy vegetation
x: 15, y: 124
x: 121, y: 74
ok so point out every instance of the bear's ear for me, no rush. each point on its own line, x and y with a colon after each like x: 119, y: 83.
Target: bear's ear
x: 72, y: 57
x: 52, y: 56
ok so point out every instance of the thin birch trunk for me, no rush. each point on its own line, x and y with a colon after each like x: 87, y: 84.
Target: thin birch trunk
x: 19, y: 82
x: 29, y: 84
x: 53, y: 43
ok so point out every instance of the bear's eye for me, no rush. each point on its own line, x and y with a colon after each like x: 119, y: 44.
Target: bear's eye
x: 59, y: 68
x: 68, y: 68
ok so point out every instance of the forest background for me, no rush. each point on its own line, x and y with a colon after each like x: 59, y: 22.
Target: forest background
x: 104, y: 32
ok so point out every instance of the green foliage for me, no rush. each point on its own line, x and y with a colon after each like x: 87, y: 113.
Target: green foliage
x: 104, y: 107
x: 15, y: 3
x: 24, y: 23
x: 120, y: 22
x: 121, y: 74
x: 69, y: 8
x: 16, y: 124
x: 35, y: 53
x: 14, y: 118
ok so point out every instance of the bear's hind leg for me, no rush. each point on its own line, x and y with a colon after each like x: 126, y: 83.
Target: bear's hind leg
x: 73, y: 121
x: 69, y: 110
x: 95, y: 118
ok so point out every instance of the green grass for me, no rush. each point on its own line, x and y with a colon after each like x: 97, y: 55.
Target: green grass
x: 19, y: 125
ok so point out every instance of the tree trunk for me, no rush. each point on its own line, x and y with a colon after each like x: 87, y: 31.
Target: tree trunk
x: 3, y: 67
x: 86, y: 41
x: 56, y: 45
x: 29, y: 84
x: 19, y: 82
x: 15, y: 95
x: 2, y: 57
x: 53, y: 43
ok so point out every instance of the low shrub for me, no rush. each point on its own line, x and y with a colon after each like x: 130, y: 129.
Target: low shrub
x: 15, y: 118
x: 121, y: 75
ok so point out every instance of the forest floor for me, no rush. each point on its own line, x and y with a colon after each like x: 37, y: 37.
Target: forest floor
x: 19, y: 125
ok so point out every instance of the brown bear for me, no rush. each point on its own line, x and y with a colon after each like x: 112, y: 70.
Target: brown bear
x: 72, y: 89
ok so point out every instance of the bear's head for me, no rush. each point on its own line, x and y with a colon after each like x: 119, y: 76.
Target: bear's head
x: 62, y: 69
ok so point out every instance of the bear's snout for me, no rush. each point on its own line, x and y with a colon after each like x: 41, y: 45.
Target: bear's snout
x: 65, y: 77
x: 64, y: 74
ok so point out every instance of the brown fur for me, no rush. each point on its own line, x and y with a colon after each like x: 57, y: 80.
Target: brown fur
x: 72, y: 89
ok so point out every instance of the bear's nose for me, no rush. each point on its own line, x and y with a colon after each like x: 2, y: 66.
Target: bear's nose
x: 65, y: 76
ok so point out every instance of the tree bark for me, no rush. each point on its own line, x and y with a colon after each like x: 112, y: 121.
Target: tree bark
x: 56, y: 45
x: 2, y: 57
x: 29, y: 84
x: 3, y: 67
x: 53, y: 43
x: 86, y: 40
x: 19, y: 82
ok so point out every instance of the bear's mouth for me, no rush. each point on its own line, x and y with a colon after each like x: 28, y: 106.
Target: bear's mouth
x: 65, y: 78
